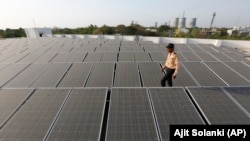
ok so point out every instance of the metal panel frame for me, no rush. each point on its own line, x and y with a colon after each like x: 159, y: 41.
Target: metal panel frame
x: 224, y: 70
x: 66, y: 102
x: 219, y: 102
x: 28, y: 76
x: 17, y: 106
x: 150, y: 106
x: 50, y: 119
x: 69, y: 73
x: 91, y: 81
x: 153, y: 104
x: 150, y: 76
x: 115, y: 77
x: 41, y: 78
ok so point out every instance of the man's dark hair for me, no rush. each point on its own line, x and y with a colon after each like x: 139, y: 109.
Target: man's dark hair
x: 170, y: 45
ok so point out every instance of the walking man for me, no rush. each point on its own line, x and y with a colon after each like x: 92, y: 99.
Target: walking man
x: 171, y: 65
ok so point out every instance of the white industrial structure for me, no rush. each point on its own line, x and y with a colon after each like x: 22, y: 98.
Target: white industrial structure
x: 38, y: 32
x: 181, y: 22
x: 212, y: 21
x: 239, y: 30
x: 192, y: 23
x: 176, y: 22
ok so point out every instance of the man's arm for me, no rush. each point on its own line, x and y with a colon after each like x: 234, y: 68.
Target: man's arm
x: 177, y: 67
x: 163, y: 68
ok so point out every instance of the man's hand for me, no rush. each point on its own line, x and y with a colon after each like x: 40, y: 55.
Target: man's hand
x: 174, y: 76
x: 162, y: 69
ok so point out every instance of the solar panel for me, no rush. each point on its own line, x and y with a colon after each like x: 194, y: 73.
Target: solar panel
x: 10, y: 101
x: 102, y: 49
x: 126, y: 75
x: 229, y: 76
x: 126, y: 49
x: 26, y: 77
x: 208, y: 47
x: 183, y: 78
x: 182, y: 48
x: 190, y: 56
x: 66, y: 49
x: 42, y: 49
x: 142, y: 56
x: 236, y: 56
x: 180, y: 56
x: 10, y: 72
x: 221, y: 57
x: 151, y: 74
x: 217, y: 107
x: 93, y: 57
x: 77, y: 57
x: 3, y: 66
x: 62, y: 57
x: 133, y: 112
x: 109, y: 57
x: 54, y: 49
x: 247, y: 63
x: 78, y: 50
x: 137, y: 49
x: 34, y: 119
x: 130, y: 116
x: 150, y: 49
x: 203, y: 76
x: 205, y: 56
x: 101, y: 75
x: 90, y: 48
x: 173, y: 106
x: 240, y: 68
x: 241, y: 95
x: 195, y: 48
x: 126, y: 56
x: 52, y: 76
x: 230, y: 49
x: 81, y: 117
x: 76, y: 76
x: 158, y: 56
x: 30, y: 58
x: 4, y: 57
x: 45, y: 58
x: 15, y: 58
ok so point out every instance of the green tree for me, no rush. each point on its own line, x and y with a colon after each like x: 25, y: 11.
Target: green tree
x: 179, y: 33
x: 195, y: 33
x: 107, y: 30
x: 120, y: 29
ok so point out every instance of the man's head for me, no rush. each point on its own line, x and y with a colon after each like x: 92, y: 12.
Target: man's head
x: 170, y: 47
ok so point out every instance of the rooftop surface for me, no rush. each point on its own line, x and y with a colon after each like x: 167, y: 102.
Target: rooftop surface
x: 100, y: 89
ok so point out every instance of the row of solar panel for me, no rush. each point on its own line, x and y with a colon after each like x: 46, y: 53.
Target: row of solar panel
x: 132, y: 113
x: 122, y: 74
x: 115, y: 56
x: 65, y: 44
x: 128, y: 48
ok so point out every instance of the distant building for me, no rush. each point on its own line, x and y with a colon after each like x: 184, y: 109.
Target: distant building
x: 239, y: 30
x: 182, y: 23
x: 192, y: 23
x: 176, y: 22
x: 38, y: 32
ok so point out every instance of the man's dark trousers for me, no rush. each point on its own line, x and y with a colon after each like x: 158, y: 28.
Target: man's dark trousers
x: 168, y: 77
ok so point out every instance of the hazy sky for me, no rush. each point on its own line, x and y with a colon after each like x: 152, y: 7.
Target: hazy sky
x: 82, y: 13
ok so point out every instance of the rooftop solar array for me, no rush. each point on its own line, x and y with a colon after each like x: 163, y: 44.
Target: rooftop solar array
x: 173, y: 106
x: 109, y: 89
x: 217, y: 107
x: 81, y: 116
x: 129, y: 111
